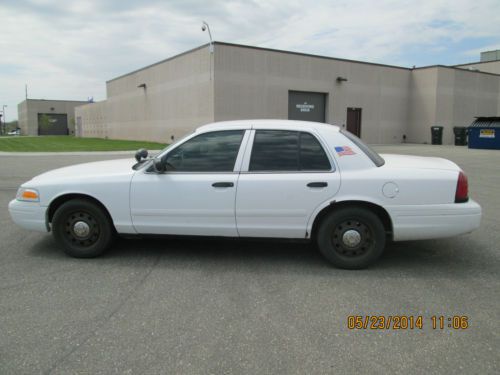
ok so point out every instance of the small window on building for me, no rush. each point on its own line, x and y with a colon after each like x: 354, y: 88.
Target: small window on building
x: 287, y: 151
x: 208, y: 152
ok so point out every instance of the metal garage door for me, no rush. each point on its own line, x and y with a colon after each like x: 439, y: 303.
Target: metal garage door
x: 306, y: 106
x: 52, y: 124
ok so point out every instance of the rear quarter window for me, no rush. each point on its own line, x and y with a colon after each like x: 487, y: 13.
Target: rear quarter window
x: 367, y: 150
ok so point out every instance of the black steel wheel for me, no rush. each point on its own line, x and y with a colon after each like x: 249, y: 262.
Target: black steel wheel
x: 83, y: 228
x: 351, y: 237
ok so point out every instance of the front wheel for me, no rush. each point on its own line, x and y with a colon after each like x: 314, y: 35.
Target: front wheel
x: 83, y: 228
x: 351, y: 238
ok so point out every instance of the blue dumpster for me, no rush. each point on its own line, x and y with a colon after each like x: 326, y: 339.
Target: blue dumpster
x: 485, y: 133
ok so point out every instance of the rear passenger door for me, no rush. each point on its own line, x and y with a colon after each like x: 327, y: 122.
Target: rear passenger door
x: 285, y: 176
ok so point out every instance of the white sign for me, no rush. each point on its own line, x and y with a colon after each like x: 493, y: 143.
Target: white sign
x: 305, y: 107
x: 487, y: 133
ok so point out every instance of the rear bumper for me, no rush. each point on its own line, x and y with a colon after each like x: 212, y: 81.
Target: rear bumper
x: 28, y: 215
x: 419, y: 222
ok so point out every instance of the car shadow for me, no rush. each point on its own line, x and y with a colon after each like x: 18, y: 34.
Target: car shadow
x: 411, y: 258
x: 178, y: 250
x: 222, y: 253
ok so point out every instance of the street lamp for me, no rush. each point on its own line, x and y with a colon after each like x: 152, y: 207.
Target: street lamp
x: 204, y: 27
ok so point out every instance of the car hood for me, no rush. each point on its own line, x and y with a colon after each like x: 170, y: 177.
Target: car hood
x: 418, y: 162
x: 86, y: 171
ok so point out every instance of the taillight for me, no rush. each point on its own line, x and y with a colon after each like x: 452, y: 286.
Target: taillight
x: 462, y: 193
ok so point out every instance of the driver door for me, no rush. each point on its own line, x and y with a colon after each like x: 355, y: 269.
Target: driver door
x: 196, y: 196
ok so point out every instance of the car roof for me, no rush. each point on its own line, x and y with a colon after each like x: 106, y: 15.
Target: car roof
x: 266, y: 124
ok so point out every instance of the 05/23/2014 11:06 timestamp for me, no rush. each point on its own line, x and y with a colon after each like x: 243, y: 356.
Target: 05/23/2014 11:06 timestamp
x: 405, y: 322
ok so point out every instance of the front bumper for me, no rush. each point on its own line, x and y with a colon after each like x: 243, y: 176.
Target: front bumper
x: 29, y: 215
x: 419, y: 222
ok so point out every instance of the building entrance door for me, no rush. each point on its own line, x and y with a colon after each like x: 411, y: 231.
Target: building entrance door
x: 354, y: 121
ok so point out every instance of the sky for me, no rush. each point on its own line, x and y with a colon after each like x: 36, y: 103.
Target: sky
x: 69, y: 49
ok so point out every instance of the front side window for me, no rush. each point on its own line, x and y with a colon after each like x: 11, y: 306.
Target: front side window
x: 287, y: 151
x: 208, y: 152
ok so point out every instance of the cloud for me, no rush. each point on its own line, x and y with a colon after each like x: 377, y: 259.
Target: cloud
x: 67, y: 50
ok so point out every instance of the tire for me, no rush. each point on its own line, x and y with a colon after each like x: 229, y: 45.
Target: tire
x: 351, y: 237
x: 82, y: 228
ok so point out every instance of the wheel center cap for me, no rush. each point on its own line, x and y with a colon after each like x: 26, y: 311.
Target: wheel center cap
x: 81, y: 229
x: 351, y: 238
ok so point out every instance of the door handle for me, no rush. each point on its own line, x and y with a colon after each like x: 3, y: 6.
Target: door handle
x: 317, y: 184
x: 222, y: 184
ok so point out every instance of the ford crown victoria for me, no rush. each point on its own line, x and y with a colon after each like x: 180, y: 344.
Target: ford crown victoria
x: 255, y: 178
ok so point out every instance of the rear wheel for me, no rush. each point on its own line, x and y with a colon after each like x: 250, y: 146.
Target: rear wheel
x: 83, y: 228
x: 351, y: 238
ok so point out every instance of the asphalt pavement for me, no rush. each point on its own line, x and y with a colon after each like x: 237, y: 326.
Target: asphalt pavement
x: 248, y: 307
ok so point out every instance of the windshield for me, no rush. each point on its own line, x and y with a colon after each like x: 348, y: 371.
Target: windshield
x: 372, y: 154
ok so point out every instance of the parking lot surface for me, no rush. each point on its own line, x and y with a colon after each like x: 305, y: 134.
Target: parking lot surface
x: 233, y: 307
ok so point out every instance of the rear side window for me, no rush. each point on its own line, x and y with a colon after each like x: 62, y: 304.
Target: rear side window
x: 287, y: 151
x: 208, y: 152
x: 312, y: 157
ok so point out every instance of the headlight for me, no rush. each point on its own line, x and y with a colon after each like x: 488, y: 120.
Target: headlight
x: 28, y: 195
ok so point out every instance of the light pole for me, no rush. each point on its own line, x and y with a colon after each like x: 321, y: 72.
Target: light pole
x: 204, y: 26
x: 4, y: 118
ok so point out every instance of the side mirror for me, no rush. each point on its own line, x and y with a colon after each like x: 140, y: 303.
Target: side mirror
x: 140, y: 154
x: 159, y: 165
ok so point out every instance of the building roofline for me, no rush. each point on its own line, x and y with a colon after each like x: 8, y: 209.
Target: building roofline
x: 474, y: 71
x: 478, y: 62
x: 491, y: 50
x: 456, y: 68
x: 256, y: 48
x: 55, y: 100
x: 300, y: 54
x: 159, y: 62
x: 310, y: 55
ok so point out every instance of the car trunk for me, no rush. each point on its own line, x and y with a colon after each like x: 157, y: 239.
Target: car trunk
x: 418, y: 162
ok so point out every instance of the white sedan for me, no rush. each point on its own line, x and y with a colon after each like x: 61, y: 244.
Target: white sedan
x: 256, y: 178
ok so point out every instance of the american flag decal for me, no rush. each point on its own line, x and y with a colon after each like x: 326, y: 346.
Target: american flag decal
x: 344, y: 150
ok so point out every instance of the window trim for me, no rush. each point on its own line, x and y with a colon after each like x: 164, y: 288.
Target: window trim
x: 237, y: 162
x: 371, y: 154
x: 248, y: 154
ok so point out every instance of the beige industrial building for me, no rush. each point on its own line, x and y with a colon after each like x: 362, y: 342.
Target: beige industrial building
x: 47, y: 117
x: 381, y: 103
